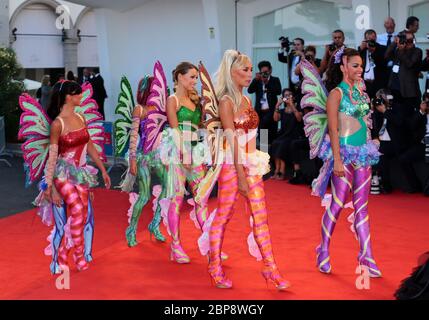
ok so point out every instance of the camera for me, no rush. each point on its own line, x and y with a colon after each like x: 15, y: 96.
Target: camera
x: 265, y: 75
x: 371, y: 43
x: 332, y: 47
x: 402, y: 38
x: 285, y: 43
x: 377, y: 102
x: 309, y: 58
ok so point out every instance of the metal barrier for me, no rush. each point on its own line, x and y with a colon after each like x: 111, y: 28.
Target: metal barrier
x: 109, y: 144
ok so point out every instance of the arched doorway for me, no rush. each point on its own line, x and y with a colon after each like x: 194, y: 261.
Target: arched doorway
x: 37, y: 41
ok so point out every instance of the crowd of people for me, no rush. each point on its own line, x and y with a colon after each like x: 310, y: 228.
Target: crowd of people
x: 91, y: 75
x: 392, y: 67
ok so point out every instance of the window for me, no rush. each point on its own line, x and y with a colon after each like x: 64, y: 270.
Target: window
x: 312, y: 20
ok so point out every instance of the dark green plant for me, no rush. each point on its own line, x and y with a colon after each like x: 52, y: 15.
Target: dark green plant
x: 10, y: 90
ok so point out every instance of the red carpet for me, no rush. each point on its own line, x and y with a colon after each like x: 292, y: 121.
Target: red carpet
x: 400, y: 234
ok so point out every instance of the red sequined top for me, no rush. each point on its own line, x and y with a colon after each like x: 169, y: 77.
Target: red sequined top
x: 247, y: 120
x: 72, y: 145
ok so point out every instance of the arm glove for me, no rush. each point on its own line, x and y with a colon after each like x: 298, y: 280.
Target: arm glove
x: 50, y: 165
x: 134, y: 137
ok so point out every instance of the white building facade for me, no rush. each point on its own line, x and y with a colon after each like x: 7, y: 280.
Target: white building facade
x: 126, y: 37
x: 52, y: 37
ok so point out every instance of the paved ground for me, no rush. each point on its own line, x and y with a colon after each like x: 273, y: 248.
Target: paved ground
x: 15, y: 198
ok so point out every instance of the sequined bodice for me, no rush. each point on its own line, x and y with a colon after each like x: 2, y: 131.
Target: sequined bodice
x: 247, y: 120
x: 353, y: 107
x: 72, y: 145
x: 187, y: 115
x: 357, y: 105
x: 189, y: 121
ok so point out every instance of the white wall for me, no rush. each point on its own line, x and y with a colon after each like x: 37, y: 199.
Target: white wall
x: 4, y: 23
x: 38, y: 51
x: 75, y: 9
x: 87, y: 50
x: 131, y: 42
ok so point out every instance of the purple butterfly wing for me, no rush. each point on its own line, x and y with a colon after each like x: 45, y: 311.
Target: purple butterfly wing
x: 156, y: 119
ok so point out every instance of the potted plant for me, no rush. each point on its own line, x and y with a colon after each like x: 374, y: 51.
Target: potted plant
x: 10, y: 90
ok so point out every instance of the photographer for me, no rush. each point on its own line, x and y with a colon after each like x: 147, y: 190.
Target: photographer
x: 387, y: 126
x: 267, y: 89
x: 404, y: 82
x: 374, y: 64
x: 338, y: 39
x: 310, y: 55
x: 418, y: 125
x: 292, y: 59
x: 291, y: 128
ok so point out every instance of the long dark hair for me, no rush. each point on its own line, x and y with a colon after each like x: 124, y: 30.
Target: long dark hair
x: 334, y: 75
x: 58, y: 96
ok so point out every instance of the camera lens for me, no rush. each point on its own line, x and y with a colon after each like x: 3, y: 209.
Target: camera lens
x: 378, y: 102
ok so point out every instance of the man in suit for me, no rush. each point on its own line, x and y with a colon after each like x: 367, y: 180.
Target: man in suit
x: 404, y: 79
x: 415, y: 152
x: 293, y: 59
x: 86, y: 76
x: 386, y: 39
x: 374, y: 65
x: 387, y: 128
x: 425, y: 67
x: 99, y: 94
x: 267, y: 88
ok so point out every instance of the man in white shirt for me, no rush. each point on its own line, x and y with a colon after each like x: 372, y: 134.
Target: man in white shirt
x: 386, y: 39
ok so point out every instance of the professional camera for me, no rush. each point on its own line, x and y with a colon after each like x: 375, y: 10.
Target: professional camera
x: 285, y: 43
x: 265, y: 75
x: 371, y: 44
x: 332, y: 47
x: 309, y: 58
x: 377, y: 102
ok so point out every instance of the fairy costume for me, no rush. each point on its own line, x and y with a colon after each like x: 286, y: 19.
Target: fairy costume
x: 142, y: 148
x: 182, y: 143
x: 72, y: 177
x: 358, y: 153
x: 256, y: 164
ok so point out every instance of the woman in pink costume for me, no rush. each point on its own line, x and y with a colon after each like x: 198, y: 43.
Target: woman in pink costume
x: 242, y: 169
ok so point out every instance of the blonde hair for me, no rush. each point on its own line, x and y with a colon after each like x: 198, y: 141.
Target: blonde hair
x: 183, y: 68
x: 224, y: 83
x: 45, y: 80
